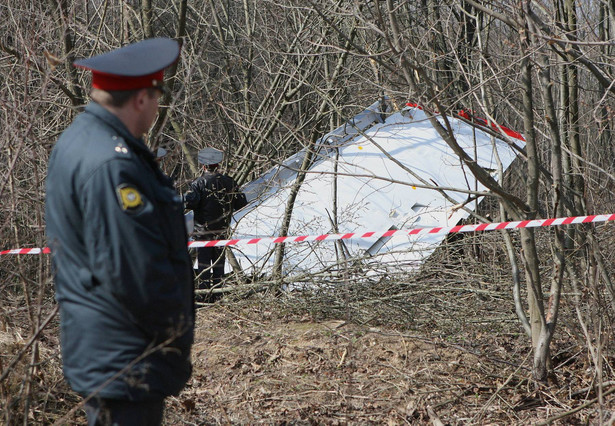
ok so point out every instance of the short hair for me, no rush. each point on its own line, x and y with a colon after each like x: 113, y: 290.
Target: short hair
x: 118, y: 98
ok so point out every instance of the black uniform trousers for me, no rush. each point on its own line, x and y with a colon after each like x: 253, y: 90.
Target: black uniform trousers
x: 210, y: 266
x: 112, y: 412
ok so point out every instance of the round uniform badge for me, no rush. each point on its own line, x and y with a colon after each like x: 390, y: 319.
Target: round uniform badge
x: 130, y: 198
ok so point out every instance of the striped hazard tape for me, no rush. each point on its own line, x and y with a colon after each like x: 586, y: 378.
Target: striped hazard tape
x: 359, y: 235
x: 44, y: 250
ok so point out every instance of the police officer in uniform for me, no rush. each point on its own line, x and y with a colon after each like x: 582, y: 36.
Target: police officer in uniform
x: 213, y: 197
x: 116, y: 230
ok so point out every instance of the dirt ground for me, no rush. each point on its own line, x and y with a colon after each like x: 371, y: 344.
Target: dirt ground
x: 448, y: 350
x: 255, y: 367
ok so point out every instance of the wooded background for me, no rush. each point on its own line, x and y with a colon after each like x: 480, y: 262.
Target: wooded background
x: 262, y: 79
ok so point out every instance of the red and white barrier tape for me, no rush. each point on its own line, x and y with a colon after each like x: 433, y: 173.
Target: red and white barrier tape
x: 44, y: 250
x: 358, y: 235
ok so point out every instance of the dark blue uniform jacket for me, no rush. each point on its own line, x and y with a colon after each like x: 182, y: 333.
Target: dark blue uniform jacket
x: 213, y: 197
x: 123, y: 274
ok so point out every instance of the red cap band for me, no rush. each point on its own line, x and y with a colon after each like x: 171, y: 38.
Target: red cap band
x: 109, y: 82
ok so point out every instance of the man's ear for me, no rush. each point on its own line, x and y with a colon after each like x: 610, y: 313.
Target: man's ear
x: 140, y: 99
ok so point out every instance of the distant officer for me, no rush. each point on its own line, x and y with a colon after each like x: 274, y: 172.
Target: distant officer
x: 160, y: 154
x: 213, y: 197
x: 116, y: 229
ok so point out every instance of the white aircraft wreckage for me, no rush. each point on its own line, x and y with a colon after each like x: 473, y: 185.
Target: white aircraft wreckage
x: 380, y: 171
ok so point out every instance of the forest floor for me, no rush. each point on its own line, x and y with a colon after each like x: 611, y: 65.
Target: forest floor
x: 445, y: 350
x: 254, y: 366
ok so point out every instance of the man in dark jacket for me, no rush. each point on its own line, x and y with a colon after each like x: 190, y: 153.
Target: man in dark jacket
x: 116, y: 230
x: 213, y: 197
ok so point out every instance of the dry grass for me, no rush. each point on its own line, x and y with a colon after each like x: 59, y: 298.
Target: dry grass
x: 253, y: 366
x: 442, y: 346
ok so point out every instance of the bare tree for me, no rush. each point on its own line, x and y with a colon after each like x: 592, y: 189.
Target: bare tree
x: 263, y: 79
x: 448, y: 56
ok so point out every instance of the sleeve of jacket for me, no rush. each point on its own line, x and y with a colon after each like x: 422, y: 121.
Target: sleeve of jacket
x: 239, y: 198
x: 128, y: 250
x: 193, y: 196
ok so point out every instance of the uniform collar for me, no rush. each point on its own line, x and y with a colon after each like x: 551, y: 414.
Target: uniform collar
x: 114, y: 122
